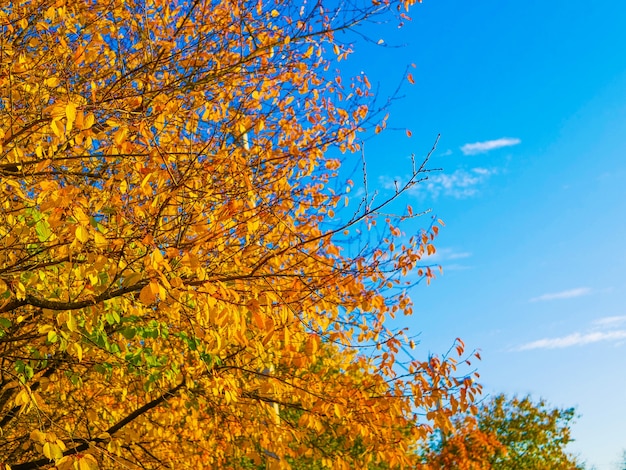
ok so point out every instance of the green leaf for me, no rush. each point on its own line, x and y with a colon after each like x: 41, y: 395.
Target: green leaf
x: 43, y: 230
x: 52, y: 336
x: 129, y: 332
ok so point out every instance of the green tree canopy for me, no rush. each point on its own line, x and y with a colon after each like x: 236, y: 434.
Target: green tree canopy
x: 534, y: 434
x: 505, y: 434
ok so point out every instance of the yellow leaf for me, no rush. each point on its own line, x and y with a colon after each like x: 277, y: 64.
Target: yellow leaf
x: 66, y: 463
x: 52, y: 451
x: 87, y: 462
x: 77, y: 350
x: 38, y: 436
x: 120, y: 136
x: 52, y: 336
x: 286, y: 336
x: 57, y: 111
x: 154, y: 286
x: 51, y: 82
x: 82, y: 234
x: 100, y: 240
x: 20, y: 291
x: 89, y: 120
x: 22, y: 398
x: 71, y: 322
x: 157, y: 258
x: 337, y: 409
x: 57, y: 128
x: 80, y: 216
x: 70, y: 114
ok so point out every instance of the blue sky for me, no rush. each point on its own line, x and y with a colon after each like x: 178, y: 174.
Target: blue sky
x: 530, y: 101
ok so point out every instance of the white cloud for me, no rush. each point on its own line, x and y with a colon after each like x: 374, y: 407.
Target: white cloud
x: 575, y: 339
x: 443, y: 255
x: 459, y: 184
x: 566, y: 294
x: 449, y: 259
x: 610, y: 321
x: 461, y: 255
x: 483, y: 147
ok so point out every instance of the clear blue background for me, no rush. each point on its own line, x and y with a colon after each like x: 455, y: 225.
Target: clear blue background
x: 534, y: 246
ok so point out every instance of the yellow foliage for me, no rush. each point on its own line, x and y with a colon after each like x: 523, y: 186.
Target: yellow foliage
x: 173, y: 291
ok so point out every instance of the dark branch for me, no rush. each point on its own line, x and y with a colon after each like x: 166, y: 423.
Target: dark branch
x: 34, y: 464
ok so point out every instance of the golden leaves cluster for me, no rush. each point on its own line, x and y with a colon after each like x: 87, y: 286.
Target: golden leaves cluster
x: 173, y: 292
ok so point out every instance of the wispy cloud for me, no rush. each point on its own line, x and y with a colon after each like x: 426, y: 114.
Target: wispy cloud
x: 575, y: 339
x: 483, y: 147
x: 447, y: 254
x: 460, y: 184
x: 449, y: 259
x: 459, y: 255
x: 610, y: 321
x: 600, y: 330
x: 566, y: 294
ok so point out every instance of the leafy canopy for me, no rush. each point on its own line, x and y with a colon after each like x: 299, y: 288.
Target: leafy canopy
x: 507, y: 434
x: 174, y: 292
x: 534, y: 434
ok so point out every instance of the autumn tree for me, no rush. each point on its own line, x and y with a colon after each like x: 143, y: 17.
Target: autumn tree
x: 173, y: 289
x: 507, y: 434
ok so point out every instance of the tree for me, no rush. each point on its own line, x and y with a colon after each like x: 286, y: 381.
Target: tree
x: 508, y: 434
x: 534, y: 434
x: 175, y: 286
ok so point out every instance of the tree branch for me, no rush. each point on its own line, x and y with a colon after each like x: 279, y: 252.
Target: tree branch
x: 34, y: 464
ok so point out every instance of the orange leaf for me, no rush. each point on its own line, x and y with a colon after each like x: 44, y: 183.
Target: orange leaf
x: 147, y: 295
